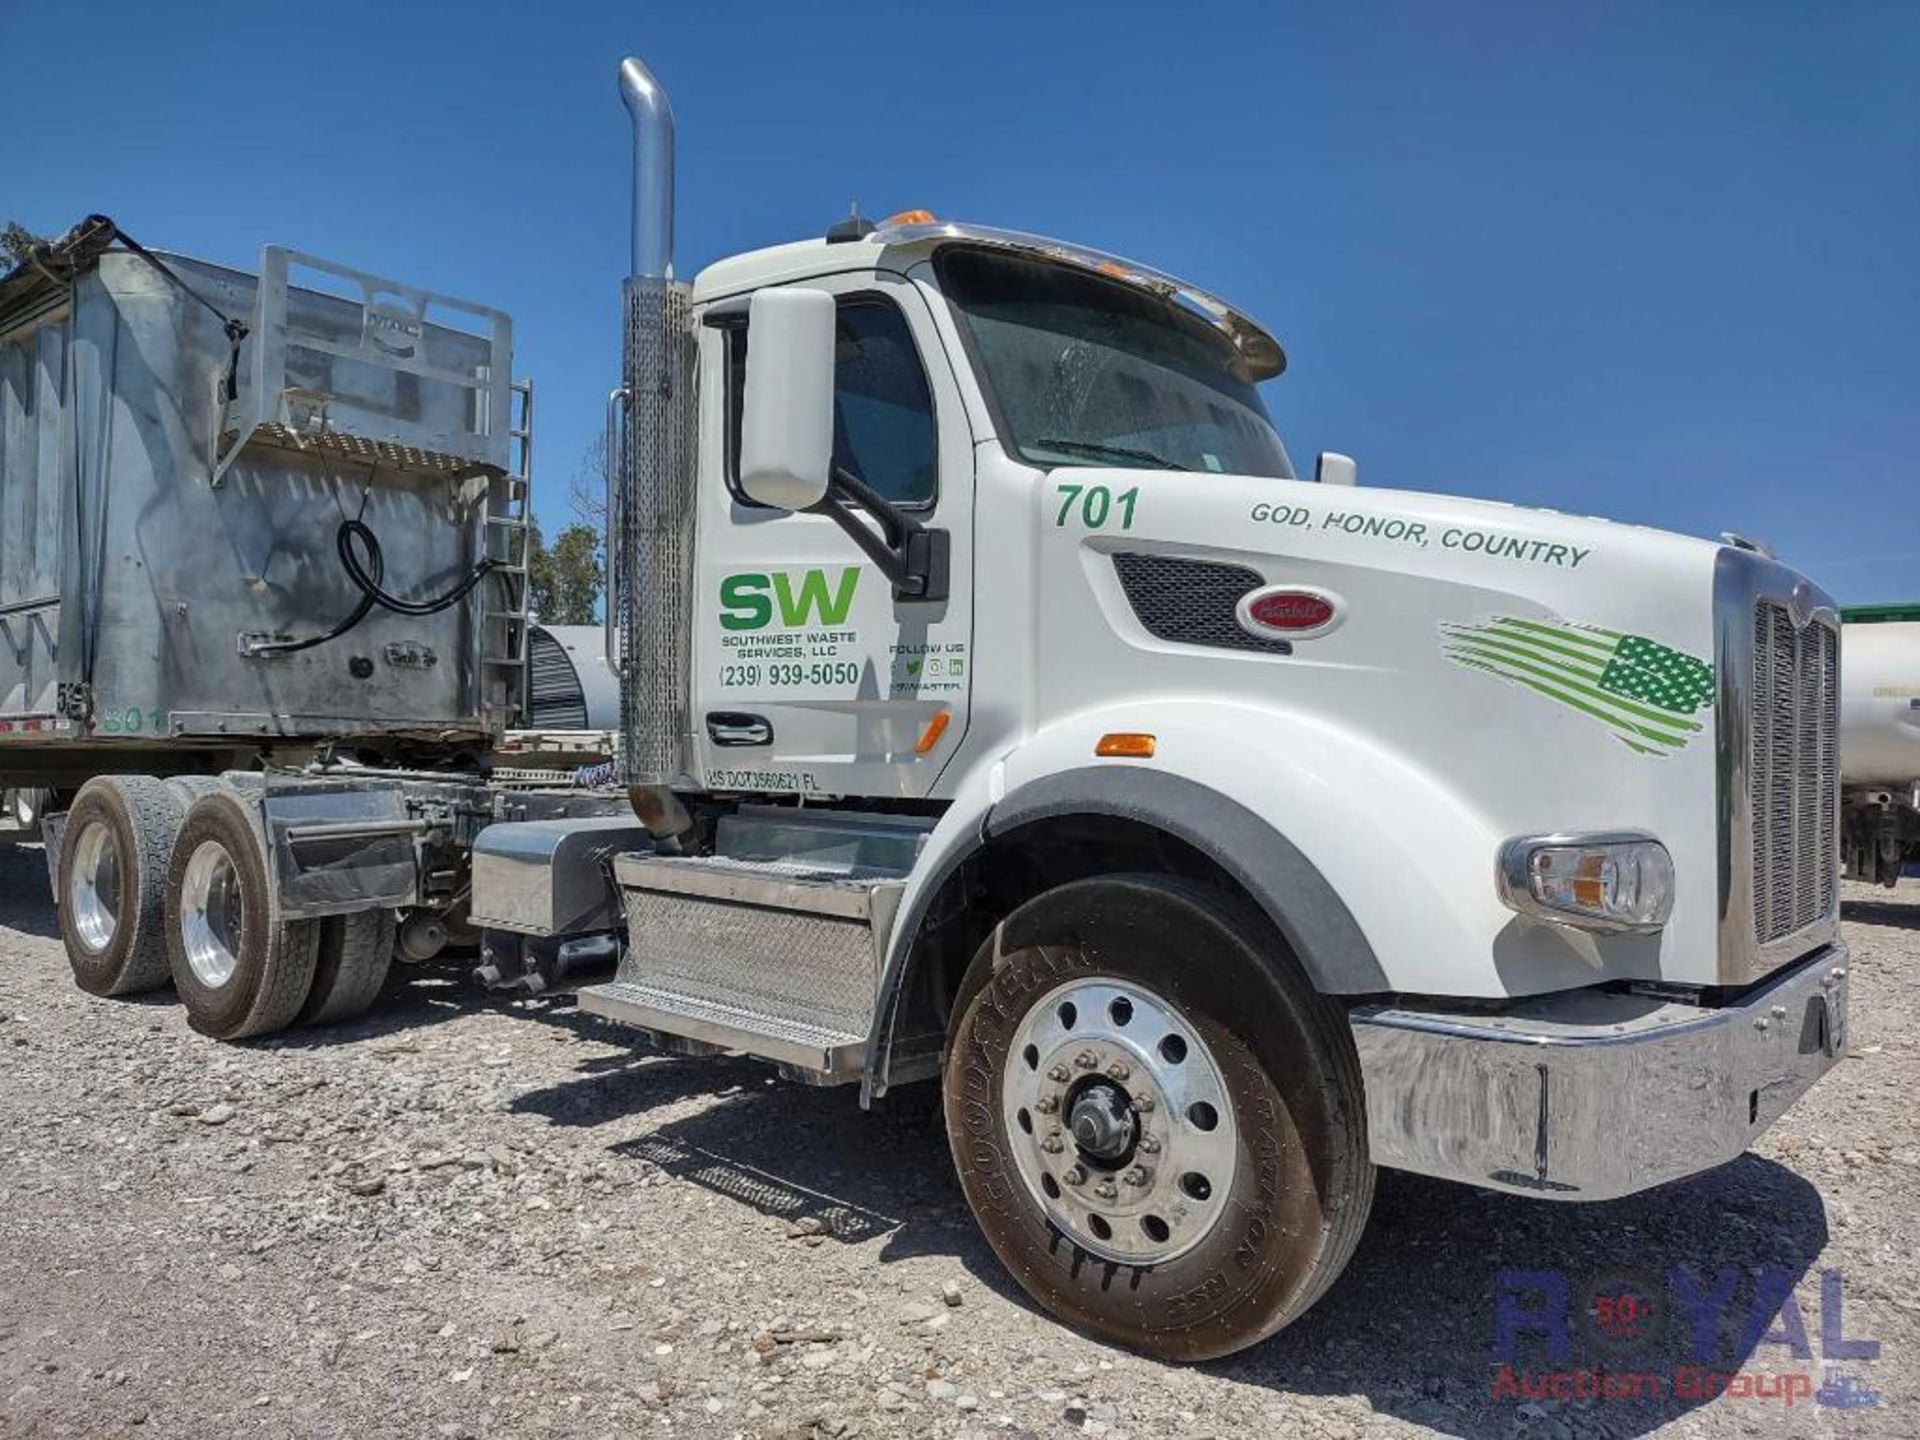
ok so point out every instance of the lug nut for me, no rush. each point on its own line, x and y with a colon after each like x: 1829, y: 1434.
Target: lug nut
x: 1052, y: 1145
x: 1119, y: 1071
x: 1143, y: 1103
x: 1060, y: 1073
x: 1074, y: 1176
x: 1136, y: 1175
x: 1106, y: 1191
x: 1086, y: 1059
x: 1149, y: 1145
x: 1046, y: 1104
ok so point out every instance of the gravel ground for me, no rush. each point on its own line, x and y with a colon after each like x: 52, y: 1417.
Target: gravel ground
x: 468, y: 1217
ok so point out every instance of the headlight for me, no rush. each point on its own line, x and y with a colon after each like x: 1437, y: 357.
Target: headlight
x: 1605, y: 880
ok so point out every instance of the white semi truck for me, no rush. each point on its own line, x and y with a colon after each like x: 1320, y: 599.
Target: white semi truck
x: 1001, y: 709
x: 1880, y: 742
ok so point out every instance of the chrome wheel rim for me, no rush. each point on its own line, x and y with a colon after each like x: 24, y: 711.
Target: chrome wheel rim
x: 1119, y: 1121
x: 213, y: 914
x: 93, y: 891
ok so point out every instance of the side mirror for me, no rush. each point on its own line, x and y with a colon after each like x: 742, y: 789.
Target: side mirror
x: 1336, y: 469
x: 786, y: 420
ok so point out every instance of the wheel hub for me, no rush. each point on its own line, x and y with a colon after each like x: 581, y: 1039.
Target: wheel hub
x: 1120, y: 1120
x: 1102, y: 1121
x: 93, y: 892
x: 212, y: 914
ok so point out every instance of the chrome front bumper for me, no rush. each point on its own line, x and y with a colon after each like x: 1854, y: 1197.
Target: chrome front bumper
x: 1589, y: 1096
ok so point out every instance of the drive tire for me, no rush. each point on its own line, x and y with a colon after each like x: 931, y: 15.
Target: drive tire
x: 112, y: 883
x: 355, y: 952
x: 1289, y: 1130
x: 241, y: 968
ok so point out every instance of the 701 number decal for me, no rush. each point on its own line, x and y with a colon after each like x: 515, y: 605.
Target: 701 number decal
x: 1097, y: 505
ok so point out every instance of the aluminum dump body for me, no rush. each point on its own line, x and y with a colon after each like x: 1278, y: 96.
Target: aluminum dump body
x: 170, y: 504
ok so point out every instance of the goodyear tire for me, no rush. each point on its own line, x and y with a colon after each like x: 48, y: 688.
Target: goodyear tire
x: 354, y: 954
x: 1157, y: 1121
x: 241, y: 969
x: 112, y: 883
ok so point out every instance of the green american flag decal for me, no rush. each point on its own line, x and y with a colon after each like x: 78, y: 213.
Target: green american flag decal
x: 1644, y: 692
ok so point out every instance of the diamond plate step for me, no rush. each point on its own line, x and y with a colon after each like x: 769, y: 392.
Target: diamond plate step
x: 830, y: 1055
x: 775, y: 958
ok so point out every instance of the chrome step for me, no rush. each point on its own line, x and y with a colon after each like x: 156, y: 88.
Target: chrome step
x: 836, y: 841
x: 772, y: 958
x: 824, y: 1054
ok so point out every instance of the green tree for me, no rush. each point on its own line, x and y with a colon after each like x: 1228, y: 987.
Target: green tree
x: 15, y: 241
x: 565, y: 579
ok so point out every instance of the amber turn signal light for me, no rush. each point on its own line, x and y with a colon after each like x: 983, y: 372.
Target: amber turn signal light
x: 930, y: 737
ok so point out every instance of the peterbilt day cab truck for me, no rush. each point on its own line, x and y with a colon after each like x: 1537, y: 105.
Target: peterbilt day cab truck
x: 999, y: 708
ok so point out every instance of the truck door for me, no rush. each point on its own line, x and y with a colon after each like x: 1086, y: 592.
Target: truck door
x: 809, y: 677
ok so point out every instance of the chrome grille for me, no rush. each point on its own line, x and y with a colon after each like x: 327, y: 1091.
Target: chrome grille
x: 1794, y: 770
x: 1191, y: 601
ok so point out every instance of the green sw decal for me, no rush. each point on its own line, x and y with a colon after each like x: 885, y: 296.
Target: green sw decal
x: 1644, y: 692
x: 750, y: 601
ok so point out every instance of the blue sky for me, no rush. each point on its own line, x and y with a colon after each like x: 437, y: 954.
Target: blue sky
x: 1654, y: 261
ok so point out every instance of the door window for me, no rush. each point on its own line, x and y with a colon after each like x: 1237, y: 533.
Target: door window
x: 883, y: 431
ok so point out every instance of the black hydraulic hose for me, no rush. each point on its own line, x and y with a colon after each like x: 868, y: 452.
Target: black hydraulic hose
x: 369, y: 580
x: 367, y: 576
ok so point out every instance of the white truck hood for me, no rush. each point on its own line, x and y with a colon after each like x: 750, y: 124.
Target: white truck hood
x: 1495, y: 671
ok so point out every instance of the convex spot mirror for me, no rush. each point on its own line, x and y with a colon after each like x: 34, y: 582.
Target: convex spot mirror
x: 786, y: 419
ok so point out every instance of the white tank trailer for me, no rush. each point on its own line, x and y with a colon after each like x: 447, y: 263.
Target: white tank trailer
x: 1880, y: 741
x: 572, y: 714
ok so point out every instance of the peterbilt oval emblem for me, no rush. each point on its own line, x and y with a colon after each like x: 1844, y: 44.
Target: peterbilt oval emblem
x: 1295, y: 612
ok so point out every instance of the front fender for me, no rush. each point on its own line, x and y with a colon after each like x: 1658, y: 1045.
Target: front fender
x: 1377, y: 872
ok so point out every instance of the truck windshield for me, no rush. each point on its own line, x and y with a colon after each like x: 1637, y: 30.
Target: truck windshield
x: 1084, y: 370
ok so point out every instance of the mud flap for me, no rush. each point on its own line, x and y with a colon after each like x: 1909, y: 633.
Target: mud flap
x: 332, y: 852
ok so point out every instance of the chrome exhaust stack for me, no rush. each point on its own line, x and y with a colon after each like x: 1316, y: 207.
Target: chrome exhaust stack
x: 652, y: 119
x: 650, y: 519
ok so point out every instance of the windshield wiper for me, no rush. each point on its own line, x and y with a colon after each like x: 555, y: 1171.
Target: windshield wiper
x: 1101, y: 451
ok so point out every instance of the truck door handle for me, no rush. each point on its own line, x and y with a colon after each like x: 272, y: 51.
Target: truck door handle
x: 731, y: 727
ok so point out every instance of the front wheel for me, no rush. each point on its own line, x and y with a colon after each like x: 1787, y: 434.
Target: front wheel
x: 1156, y: 1120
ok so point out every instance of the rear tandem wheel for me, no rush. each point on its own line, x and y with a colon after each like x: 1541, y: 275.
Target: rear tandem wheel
x: 240, y: 967
x: 111, y: 882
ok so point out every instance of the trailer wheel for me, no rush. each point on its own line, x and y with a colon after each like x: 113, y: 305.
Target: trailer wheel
x: 112, y: 878
x: 1156, y: 1120
x: 240, y: 968
x: 354, y: 954
x: 25, y: 808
